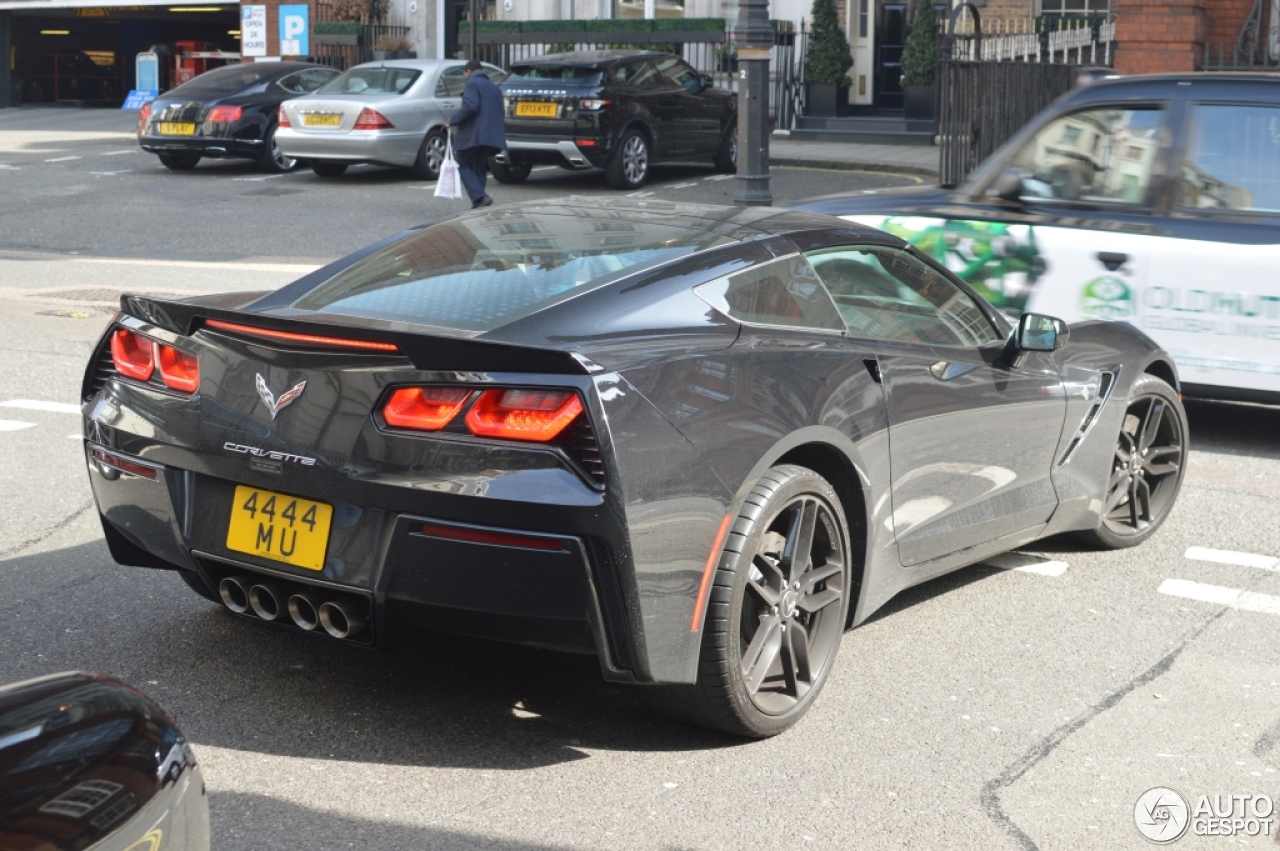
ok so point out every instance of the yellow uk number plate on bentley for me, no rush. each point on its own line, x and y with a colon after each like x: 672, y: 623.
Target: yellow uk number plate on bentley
x: 535, y: 109
x: 279, y: 527
x: 321, y: 119
x: 177, y: 128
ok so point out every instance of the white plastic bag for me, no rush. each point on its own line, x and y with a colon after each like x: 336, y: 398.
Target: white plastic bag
x: 450, y: 183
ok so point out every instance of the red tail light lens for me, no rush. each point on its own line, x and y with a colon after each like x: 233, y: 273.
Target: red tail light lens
x: 424, y: 408
x: 179, y: 370
x: 282, y: 120
x: 132, y: 354
x: 143, y: 115
x: 371, y: 119
x: 225, y: 113
x: 592, y: 104
x: 538, y: 415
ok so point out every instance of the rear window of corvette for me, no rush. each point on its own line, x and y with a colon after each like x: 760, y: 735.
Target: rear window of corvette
x: 477, y: 274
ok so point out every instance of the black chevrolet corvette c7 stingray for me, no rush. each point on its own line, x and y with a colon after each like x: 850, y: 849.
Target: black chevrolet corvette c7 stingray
x: 699, y: 442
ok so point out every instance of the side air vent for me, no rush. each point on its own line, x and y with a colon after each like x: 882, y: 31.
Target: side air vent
x: 582, y: 448
x: 1105, y: 382
x: 616, y: 629
x: 103, y: 370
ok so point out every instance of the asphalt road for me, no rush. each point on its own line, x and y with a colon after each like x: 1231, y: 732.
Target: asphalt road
x: 995, y: 708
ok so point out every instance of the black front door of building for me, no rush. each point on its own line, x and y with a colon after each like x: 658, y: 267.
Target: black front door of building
x: 891, y: 35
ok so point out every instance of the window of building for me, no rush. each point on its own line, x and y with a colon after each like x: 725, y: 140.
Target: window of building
x: 648, y: 8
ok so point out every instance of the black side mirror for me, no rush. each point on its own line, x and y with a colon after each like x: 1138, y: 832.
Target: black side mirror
x: 1038, y: 333
x: 1008, y: 184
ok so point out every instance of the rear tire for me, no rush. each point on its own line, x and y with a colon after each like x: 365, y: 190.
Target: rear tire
x: 273, y: 160
x: 727, y: 159
x: 183, y: 161
x: 430, y: 155
x: 328, y: 169
x: 776, y: 612
x: 1146, y: 471
x: 510, y: 172
x: 630, y: 164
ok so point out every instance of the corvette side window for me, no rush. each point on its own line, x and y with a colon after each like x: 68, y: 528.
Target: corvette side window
x: 784, y: 292
x: 1102, y: 154
x: 886, y: 294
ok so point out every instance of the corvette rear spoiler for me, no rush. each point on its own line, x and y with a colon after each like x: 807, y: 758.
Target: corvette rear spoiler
x: 425, y: 350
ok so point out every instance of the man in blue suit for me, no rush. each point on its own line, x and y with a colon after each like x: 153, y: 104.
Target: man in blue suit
x: 478, y: 131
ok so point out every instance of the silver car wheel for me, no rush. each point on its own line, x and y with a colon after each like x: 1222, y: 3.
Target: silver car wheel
x: 435, y: 153
x: 635, y: 159
x: 283, y: 161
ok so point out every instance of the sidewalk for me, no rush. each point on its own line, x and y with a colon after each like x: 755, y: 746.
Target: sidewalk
x: 33, y: 125
x: 921, y: 160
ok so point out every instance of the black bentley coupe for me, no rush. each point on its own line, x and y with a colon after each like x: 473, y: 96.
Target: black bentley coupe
x: 699, y: 442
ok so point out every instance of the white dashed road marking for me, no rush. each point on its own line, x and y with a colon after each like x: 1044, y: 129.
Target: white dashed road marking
x: 639, y: 194
x: 1245, y: 601
x: 10, y: 168
x: 14, y: 425
x: 62, y: 159
x: 38, y: 405
x: 720, y: 177
x: 1230, y: 557
x: 118, y: 153
x: 680, y: 185
x: 1027, y: 564
x: 110, y: 173
x: 258, y: 179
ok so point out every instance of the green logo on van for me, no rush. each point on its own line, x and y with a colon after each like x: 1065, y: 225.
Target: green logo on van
x: 1107, y: 297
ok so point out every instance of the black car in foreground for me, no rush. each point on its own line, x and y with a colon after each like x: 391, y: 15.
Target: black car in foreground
x: 227, y: 112
x: 619, y: 110
x: 1153, y: 200
x: 699, y: 442
x: 90, y: 762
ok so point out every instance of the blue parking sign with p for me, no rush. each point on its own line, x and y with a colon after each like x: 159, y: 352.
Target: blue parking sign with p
x: 294, y: 26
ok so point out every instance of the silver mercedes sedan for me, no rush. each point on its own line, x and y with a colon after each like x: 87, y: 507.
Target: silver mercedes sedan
x: 390, y: 112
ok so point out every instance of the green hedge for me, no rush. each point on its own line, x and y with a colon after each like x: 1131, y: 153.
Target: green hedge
x: 338, y: 28
x: 667, y: 25
x: 491, y: 27
x: 553, y: 26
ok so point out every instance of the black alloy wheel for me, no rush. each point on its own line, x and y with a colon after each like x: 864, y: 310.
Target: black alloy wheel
x: 274, y: 160
x: 776, y: 613
x: 430, y: 156
x: 1146, y: 471
x: 510, y: 172
x: 323, y: 168
x: 180, y: 161
x: 630, y: 164
x: 727, y: 158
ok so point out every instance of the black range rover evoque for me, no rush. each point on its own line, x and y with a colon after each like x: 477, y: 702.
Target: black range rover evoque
x: 620, y: 110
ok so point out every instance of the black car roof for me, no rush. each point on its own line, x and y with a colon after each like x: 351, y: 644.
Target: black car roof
x: 588, y: 57
x: 1169, y: 86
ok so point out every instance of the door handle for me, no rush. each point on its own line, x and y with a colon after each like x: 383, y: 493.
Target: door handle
x: 1113, y: 260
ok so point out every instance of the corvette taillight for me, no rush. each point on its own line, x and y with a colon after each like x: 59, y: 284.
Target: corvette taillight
x: 282, y: 120
x: 133, y: 354
x: 424, y: 408
x: 178, y: 370
x: 537, y: 415
x: 371, y: 119
x: 136, y: 357
x: 225, y: 113
x: 143, y: 115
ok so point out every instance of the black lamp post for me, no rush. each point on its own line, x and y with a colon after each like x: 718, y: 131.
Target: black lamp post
x: 754, y: 35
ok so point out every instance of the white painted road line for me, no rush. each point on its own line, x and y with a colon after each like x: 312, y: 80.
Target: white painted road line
x: 62, y: 159
x: 258, y: 179
x: 118, y: 153
x: 1027, y: 564
x: 37, y: 405
x: 1230, y: 557
x: 110, y: 173
x: 721, y: 177
x: 1235, y: 598
x: 680, y: 185
x: 14, y: 425
x: 639, y: 194
x: 10, y: 168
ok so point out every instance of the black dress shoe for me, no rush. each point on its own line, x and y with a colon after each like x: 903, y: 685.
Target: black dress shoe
x: 486, y: 201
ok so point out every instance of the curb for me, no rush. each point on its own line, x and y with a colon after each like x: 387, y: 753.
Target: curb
x: 846, y: 165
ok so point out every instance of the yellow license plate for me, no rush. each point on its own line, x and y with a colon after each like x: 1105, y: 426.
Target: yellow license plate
x: 322, y: 120
x: 535, y: 109
x: 279, y: 527
x: 177, y: 128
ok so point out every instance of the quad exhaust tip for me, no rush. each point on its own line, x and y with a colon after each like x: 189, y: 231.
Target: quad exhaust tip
x: 234, y: 591
x: 272, y: 601
x: 340, y: 620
